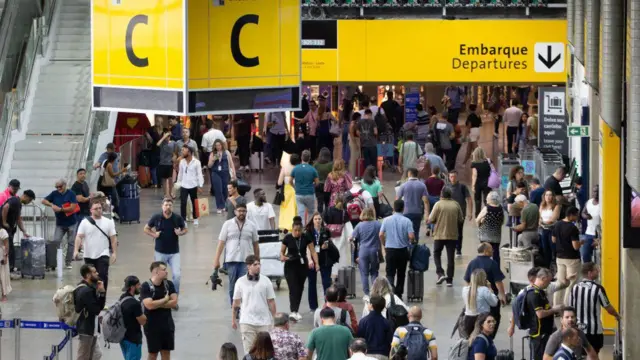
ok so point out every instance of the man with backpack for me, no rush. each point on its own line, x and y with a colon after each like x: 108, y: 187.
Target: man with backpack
x: 357, y: 200
x: 367, y: 131
x: 342, y: 315
x: 419, y: 341
x: 535, y: 313
x: 97, y: 235
x: 331, y: 340
x: 89, y: 298
x: 132, y: 319
x: 158, y: 296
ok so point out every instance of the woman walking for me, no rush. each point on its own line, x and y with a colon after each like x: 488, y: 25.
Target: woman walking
x: 340, y: 228
x: 317, y: 234
x: 367, y: 253
x: 288, y: 207
x: 262, y: 348
x: 354, y: 143
x: 323, y: 166
x: 371, y: 184
x: 481, y: 170
x: 489, y: 222
x: 293, y: 253
x: 338, y: 182
x: 481, y: 340
x: 549, y: 215
x: 478, y: 299
x: 382, y: 287
x: 221, y: 165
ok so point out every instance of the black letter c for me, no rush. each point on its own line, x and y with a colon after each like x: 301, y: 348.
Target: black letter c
x: 128, y: 41
x: 235, y: 41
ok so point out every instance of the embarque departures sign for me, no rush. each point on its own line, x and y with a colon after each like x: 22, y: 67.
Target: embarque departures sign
x: 187, y: 57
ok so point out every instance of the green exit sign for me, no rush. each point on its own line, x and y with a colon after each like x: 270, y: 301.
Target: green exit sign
x: 578, y: 131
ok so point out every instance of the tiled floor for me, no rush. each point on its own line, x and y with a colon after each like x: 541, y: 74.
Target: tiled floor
x: 203, y: 322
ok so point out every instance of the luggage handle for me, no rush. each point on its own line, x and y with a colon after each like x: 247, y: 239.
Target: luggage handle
x: 523, y: 339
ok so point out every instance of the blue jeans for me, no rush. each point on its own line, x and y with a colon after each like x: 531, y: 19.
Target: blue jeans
x: 219, y: 182
x: 433, y: 200
x: 369, y: 264
x: 173, y: 260
x: 548, y: 247
x: 236, y: 270
x: 586, y: 250
x: 306, y: 202
x: 416, y: 220
x: 154, y: 175
x: 58, y: 236
x: 312, y: 277
x: 131, y: 351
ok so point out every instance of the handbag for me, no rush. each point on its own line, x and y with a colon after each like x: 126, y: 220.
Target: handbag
x: 279, y: 198
x: 335, y: 229
x: 335, y: 129
x: 108, y: 180
x: 494, y: 177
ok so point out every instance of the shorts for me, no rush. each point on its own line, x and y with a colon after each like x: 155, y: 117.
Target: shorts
x: 596, y: 341
x: 474, y: 134
x: 165, y: 171
x: 160, y: 341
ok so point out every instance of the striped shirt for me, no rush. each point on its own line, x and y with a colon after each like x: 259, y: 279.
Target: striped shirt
x: 587, y: 297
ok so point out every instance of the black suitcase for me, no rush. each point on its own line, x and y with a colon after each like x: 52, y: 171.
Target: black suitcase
x: 33, y: 257
x: 505, y: 355
x: 347, y: 278
x: 415, y: 286
x: 51, y: 255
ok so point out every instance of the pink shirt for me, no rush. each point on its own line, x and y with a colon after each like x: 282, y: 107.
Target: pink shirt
x: 312, y: 120
x: 4, y: 196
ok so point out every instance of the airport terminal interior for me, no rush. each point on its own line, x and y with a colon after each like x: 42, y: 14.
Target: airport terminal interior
x: 84, y: 83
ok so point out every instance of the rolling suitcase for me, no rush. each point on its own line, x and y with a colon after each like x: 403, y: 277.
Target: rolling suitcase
x: 33, y: 257
x: 347, y: 278
x: 415, y: 286
x: 256, y: 162
x: 129, y: 210
x: 51, y: 253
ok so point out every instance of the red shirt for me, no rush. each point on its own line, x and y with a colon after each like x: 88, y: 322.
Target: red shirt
x: 352, y: 315
x: 434, y: 185
x: 5, y: 195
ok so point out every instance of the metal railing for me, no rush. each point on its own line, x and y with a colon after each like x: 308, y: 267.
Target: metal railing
x: 32, y: 50
x: 7, y: 123
x: 56, y: 350
x: 130, y: 150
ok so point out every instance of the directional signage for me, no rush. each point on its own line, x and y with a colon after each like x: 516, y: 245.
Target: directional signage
x: 549, y: 57
x: 578, y: 131
x: 552, y: 122
x: 469, y: 53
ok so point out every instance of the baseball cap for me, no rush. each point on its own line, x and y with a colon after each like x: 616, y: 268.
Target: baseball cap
x: 15, y: 183
x: 130, y: 281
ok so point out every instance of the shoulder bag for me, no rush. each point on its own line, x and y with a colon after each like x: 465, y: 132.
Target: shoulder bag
x: 494, y: 177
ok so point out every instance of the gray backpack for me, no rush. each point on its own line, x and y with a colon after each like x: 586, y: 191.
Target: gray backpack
x: 113, y: 328
x: 460, y: 350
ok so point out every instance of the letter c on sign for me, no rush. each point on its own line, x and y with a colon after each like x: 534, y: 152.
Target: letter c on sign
x: 128, y: 41
x: 236, y: 52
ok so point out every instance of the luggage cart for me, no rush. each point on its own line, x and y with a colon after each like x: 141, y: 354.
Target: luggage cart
x: 519, y: 261
x: 269, y: 242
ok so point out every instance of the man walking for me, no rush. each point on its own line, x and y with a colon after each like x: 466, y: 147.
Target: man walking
x: 11, y: 220
x: 64, y: 204
x: 287, y: 345
x: 133, y: 318
x: 539, y: 313
x: 566, y: 236
x: 187, y: 140
x: 97, y: 236
x: 255, y: 293
x: 238, y: 239
x: 158, y: 296
x: 428, y: 338
x: 568, y: 321
x: 587, y: 297
x: 367, y: 131
x: 461, y: 194
x: 330, y: 341
x: 306, y: 177
x: 376, y: 330
x: 190, y: 178
x: 83, y: 194
x: 166, y: 228
x: 277, y: 124
x: 261, y: 212
x: 416, y: 200
x: 447, y: 216
x: 396, y: 235
x: 89, y: 299
x: 233, y: 200
x: 512, y: 117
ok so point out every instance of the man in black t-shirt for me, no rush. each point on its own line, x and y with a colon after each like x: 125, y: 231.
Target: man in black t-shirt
x: 566, y: 236
x: 11, y: 220
x: 553, y: 183
x: 81, y: 189
x: 242, y: 129
x: 540, y: 314
x: 159, y: 296
x: 133, y: 318
x: 165, y: 228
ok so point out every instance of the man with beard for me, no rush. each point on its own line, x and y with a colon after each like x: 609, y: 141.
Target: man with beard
x: 568, y: 321
x: 261, y: 212
x: 159, y: 296
x: 133, y: 318
x: 89, y: 299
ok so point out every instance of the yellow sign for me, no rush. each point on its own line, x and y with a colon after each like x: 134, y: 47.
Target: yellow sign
x: 243, y: 44
x: 467, y: 51
x: 138, y: 44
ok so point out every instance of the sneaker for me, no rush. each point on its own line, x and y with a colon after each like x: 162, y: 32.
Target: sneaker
x: 459, y: 254
x: 292, y: 316
x: 186, y: 224
x: 218, y: 211
x: 441, y: 279
x: 297, y: 317
x: 115, y: 216
x: 449, y: 284
x: 15, y: 275
x: 195, y: 222
x: 68, y: 266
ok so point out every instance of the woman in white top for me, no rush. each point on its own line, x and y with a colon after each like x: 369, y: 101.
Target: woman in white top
x: 382, y: 287
x: 549, y: 215
x: 478, y: 299
x: 591, y: 213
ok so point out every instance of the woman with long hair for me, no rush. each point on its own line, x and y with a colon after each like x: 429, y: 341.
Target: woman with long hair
x: 367, y: 240
x: 338, y: 181
x: 221, y: 165
x: 516, y: 175
x: 288, y: 207
x: 382, y: 287
x: 481, y: 339
x: 298, y: 255
x: 345, y: 118
x: 478, y: 299
x: 228, y: 351
x: 262, y: 348
x: 339, y: 226
x: 549, y: 215
x: 317, y: 234
x: 354, y: 143
x: 489, y: 221
x: 481, y: 170
x: 371, y: 184
x: 323, y: 166
x: 108, y: 183
x: 325, y: 120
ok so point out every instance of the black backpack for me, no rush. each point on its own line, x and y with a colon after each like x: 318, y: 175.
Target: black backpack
x: 397, y: 314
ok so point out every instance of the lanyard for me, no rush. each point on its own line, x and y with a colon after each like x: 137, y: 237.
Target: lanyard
x: 240, y: 232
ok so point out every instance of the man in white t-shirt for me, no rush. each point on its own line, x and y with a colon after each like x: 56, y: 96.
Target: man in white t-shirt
x: 239, y: 239
x: 261, y: 212
x: 97, y: 236
x: 367, y: 105
x: 591, y: 213
x: 512, y: 118
x: 255, y: 293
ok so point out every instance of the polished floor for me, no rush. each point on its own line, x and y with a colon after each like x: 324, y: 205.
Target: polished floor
x: 203, y: 321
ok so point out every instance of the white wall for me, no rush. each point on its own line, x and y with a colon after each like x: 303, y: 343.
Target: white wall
x: 580, y: 95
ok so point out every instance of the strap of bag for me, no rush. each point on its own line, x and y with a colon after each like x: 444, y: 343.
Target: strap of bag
x: 93, y: 222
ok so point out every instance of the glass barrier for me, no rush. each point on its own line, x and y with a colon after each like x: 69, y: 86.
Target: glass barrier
x: 26, y: 68
x: 7, y: 121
